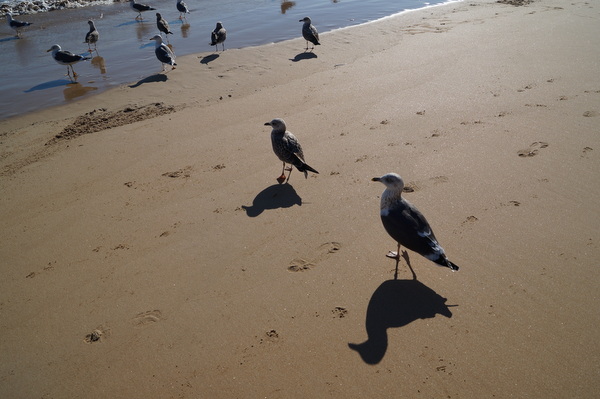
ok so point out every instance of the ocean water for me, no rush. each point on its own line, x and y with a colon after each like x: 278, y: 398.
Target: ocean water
x: 32, y: 80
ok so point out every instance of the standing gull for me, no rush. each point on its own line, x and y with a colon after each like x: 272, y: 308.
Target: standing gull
x: 218, y: 36
x: 182, y: 8
x: 162, y: 25
x: 140, y: 8
x: 92, y: 36
x: 163, y: 52
x: 309, y: 32
x: 407, y: 225
x: 16, y: 25
x: 288, y: 149
x: 64, y: 57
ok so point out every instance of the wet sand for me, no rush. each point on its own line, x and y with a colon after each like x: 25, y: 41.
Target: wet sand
x: 159, y: 257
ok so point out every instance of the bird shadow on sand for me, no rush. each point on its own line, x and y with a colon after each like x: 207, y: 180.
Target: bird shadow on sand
x: 303, y: 56
x: 143, y: 46
x: 49, y: 85
x: 159, y: 77
x: 209, y: 58
x: 9, y: 39
x: 128, y: 23
x: 273, y: 197
x: 396, y: 303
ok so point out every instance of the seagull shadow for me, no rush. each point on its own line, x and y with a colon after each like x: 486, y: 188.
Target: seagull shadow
x: 159, y: 77
x: 209, y: 58
x: 134, y: 22
x: 303, y: 56
x: 396, y: 303
x: 9, y: 39
x: 49, y: 85
x: 146, y: 45
x: 273, y: 197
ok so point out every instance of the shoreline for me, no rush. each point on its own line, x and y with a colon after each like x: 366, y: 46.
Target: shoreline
x: 125, y: 54
x: 204, y: 55
x: 158, y: 257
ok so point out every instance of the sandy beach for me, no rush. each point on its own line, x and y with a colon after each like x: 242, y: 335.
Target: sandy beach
x: 147, y: 250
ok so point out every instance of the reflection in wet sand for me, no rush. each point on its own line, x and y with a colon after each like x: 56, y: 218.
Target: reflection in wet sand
x: 184, y: 30
x: 75, y: 89
x: 286, y: 5
x: 143, y: 30
x: 99, y: 63
x: 24, y: 48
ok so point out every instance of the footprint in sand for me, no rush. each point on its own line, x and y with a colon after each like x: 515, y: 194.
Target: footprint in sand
x: 528, y: 87
x: 466, y: 224
x: 272, y: 335
x: 183, y: 172
x: 533, y: 149
x: 410, y: 187
x: 148, y: 317
x: 413, y: 186
x: 585, y: 151
x: 300, y: 265
x: 324, y: 251
x: 339, y: 312
x: 96, y: 335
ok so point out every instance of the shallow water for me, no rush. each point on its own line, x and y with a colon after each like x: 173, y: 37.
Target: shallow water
x: 32, y: 80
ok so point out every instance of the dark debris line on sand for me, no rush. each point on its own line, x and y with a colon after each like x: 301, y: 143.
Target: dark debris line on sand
x: 515, y: 2
x: 102, y: 119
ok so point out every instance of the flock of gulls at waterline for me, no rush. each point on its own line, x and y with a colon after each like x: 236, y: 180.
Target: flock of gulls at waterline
x: 164, y: 52
x: 402, y: 220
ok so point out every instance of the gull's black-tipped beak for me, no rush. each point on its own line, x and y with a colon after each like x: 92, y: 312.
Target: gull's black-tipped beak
x: 376, y: 179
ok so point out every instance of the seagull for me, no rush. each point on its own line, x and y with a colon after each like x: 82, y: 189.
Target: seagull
x: 92, y: 36
x: 288, y: 149
x: 163, y: 52
x: 407, y: 225
x: 16, y: 25
x: 182, y: 8
x: 162, y: 25
x: 64, y: 57
x: 140, y: 8
x: 218, y: 36
x: 309, y: 32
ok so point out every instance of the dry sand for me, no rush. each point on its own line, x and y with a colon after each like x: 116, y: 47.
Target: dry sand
x: 159, y: 258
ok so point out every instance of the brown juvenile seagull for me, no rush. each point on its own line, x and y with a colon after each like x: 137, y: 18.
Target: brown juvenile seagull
x: 92, y: 36
x: 288, y: 149
x: 407, y: 225
x: 163, y: 25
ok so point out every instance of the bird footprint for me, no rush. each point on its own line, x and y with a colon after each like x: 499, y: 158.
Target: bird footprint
x: 533, y: 149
